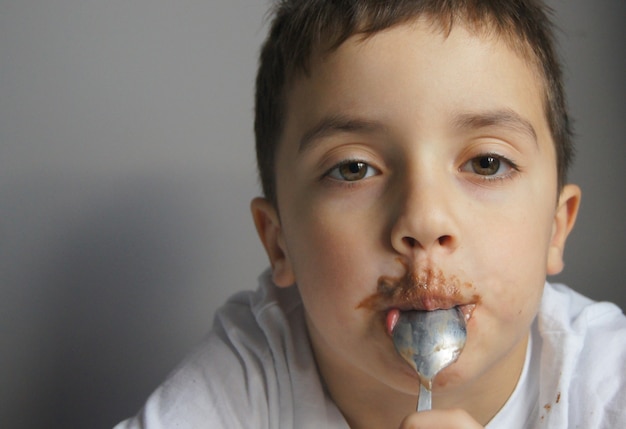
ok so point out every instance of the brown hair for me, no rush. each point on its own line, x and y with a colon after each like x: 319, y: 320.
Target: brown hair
x: 303, y: 28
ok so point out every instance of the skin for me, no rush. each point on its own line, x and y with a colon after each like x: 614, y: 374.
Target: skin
x: 425, y: 158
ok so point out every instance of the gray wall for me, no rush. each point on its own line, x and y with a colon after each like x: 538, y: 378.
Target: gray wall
x: 126, y: 169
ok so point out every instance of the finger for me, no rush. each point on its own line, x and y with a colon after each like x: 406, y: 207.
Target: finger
x: 440, y: 419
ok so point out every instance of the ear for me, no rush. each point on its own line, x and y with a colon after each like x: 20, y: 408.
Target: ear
x: 564, y: 219
x: 270, y: 232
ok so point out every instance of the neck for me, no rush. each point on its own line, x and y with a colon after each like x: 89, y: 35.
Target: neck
x: 365, y: 402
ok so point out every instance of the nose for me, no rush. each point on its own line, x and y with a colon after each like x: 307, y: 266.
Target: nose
x: 424, y: 217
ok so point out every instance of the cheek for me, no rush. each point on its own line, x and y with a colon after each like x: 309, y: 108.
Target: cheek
x: 327, y: 266
x: 328, y: 259
x: 516, y: 271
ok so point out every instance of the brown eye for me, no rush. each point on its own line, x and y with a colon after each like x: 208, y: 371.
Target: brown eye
x: 486, y: 165
x: 353, y: 170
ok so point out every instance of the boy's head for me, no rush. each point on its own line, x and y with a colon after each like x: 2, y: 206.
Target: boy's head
x: 416, y: 153
x: 303, y: 29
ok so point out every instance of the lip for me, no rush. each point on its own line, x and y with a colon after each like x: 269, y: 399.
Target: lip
x: 428, y: 290
x: 426, y: 300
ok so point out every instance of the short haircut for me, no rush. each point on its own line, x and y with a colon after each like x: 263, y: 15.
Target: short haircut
x: 301, y: 29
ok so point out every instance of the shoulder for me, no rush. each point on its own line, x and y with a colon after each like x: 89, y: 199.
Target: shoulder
x: 566, y: 312
x: 585, y: 344
x: 237, y: 374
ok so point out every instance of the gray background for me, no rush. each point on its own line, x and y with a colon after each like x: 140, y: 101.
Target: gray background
x: 126, y: 170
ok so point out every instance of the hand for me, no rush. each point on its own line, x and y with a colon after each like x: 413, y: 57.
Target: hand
x: 440, y: 419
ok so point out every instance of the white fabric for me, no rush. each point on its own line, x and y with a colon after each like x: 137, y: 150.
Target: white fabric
x: 575, y: 374
x: 522, y: 407
x: 256, y: 370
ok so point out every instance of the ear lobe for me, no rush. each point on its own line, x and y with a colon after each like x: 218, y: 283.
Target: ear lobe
x: 564, y: 219
x: 270, y: 232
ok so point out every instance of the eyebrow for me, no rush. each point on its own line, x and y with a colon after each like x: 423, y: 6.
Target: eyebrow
x: 336, y: 124
x: 505, y: 118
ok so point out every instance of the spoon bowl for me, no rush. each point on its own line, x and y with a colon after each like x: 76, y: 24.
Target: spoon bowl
x: 429, y: 341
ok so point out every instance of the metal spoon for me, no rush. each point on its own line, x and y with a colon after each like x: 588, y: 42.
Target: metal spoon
x: 429, y: 341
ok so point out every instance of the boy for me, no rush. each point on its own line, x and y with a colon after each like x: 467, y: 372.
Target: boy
x: 413, y: 156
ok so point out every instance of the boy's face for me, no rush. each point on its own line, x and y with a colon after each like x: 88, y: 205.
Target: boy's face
x: 424, y: 164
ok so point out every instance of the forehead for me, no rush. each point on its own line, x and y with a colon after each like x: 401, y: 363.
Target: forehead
x: 487, y: 26
x: 382, y: 74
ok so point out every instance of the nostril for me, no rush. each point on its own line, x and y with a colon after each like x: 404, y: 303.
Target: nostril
x: 444, y: 240
x: 410, y: 242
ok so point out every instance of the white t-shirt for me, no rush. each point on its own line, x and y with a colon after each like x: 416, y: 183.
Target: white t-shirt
x: 256, y: 369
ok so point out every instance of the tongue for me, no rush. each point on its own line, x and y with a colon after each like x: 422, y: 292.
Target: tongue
x: 392, y: 318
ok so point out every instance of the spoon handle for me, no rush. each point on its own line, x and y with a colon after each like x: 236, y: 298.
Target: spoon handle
x: 424, y: 403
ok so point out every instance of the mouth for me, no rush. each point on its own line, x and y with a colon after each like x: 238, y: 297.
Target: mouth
x: 427, y: 290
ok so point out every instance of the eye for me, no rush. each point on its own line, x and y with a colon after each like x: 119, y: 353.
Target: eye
x: 490, y: 166
x: 486, y: 165
x: 351, y: 171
